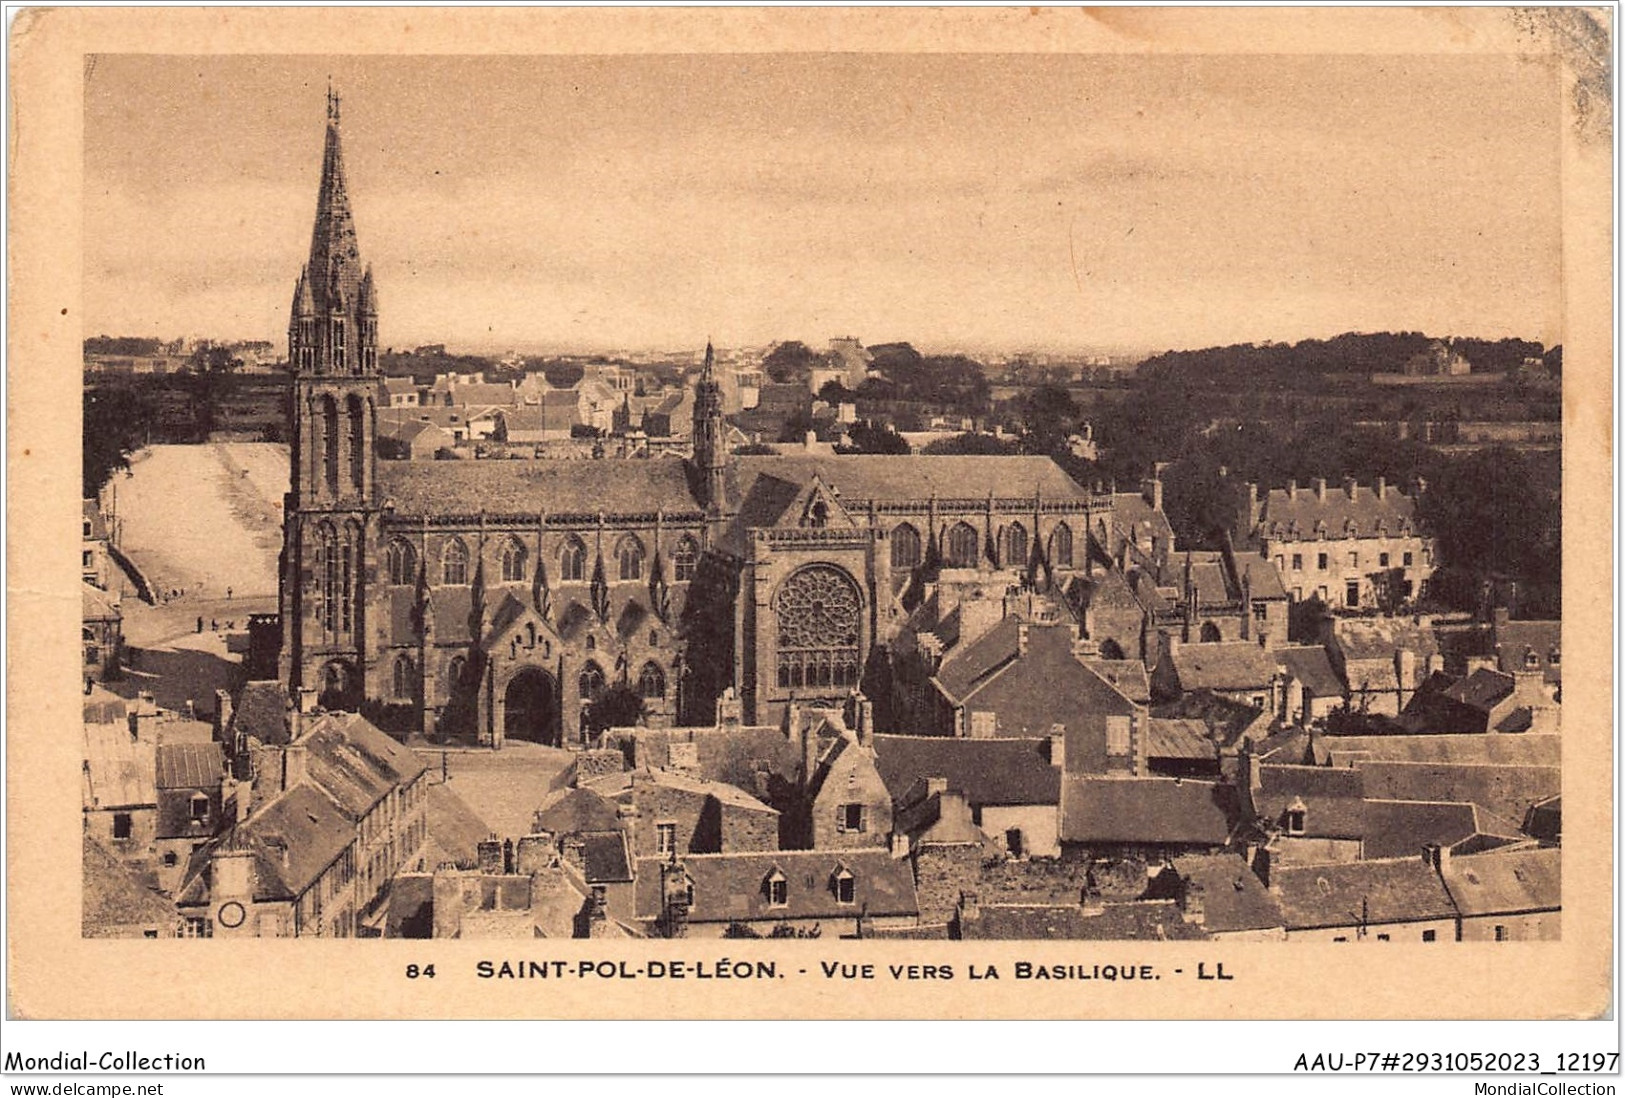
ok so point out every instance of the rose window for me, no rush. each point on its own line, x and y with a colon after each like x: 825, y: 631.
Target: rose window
x: 820, y: 617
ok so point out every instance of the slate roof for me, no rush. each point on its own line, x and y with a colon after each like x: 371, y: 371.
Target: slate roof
x: 1233, y: 898
x: 723, y: 792
x: 604, y: 857
x: 1515, y: 640
x: 1506, y: 882
x: 1527, y: 749
x: 1128, y: 676
x: 119, y: 771
x: 1380, y: 638
x: 916, y: 478
x: 1133, y: 516
x: 1263, y: 579
x: 115, y: 901
x: 1179, y: 739
x: 968, y: 666
x: 1483, y: 689
x: 1396, y: 890
x: 454, y: 828
x: 1505, y: 791
x: 987, y: 772
x: 102, y: 706
x: 1146, y: 810
x: 190, y: 765
x: 1311, y: 666
x: 504, y: 488
x: 1334, y: 800
x: 261, y: 711
x: 1226, y: 665
x: 731, y: 886
x: 1142, y: 921
x: 570, y: 811
x: 1397, y: 829
x: 98, y: 605
x: 1279, y: 512
x: 294, y: 838
x: 354, y: 762
x: 1036, y: 691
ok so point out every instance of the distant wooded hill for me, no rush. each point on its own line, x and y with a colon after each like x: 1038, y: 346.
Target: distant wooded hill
x: 1315, y: 361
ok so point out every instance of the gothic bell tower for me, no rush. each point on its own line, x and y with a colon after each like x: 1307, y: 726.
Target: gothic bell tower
x: 330, y: 524
x: 710, y: 445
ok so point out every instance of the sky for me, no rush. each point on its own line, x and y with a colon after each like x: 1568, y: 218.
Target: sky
x: 981, y: 203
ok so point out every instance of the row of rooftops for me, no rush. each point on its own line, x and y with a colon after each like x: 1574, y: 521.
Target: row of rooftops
x: 1349, y: 510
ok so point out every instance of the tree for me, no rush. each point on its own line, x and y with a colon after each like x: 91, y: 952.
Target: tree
x: 117, y: 419
x: 618, y: 706
x: 1049, y: 416
x: 796, y: 426
x: 834, y: 392
x: 973, y: 443
x: 791, y: 360
x: 866, y: 438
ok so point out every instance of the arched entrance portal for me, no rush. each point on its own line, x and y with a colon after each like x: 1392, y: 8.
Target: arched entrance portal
x: 340, y: 687
x: 530, y: 707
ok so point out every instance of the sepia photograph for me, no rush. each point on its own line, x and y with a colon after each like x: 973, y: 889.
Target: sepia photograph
x: 755, y: 513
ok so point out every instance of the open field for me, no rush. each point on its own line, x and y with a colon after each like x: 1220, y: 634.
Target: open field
x: 204, y: 518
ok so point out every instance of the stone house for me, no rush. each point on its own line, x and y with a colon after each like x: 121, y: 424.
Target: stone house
x: 1226, y: 899
x: 1382, y: 661
x: 1309, y: 688
x: 1239, y: 671
x: 1509, y: 895
x: 1010, y: 790
x: 790, y: 891
x: 118, y: 902
x: 1387, y: 900
x: 1151, y: 820
x: 1352, y: 547
x: 101, y: 634
x: 94, y: 567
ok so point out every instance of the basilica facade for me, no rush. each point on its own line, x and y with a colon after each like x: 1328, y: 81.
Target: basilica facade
x: 495, y: 599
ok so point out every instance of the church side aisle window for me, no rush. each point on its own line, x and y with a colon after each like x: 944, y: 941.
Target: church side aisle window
x: 591, y: 681
x: 685, y: 559
x: 962, y: 546
x: 905, y: 547
x: 573, y: 561
x: 402, y: 563
x: 1061, y: 546
x: 1016, y: 548
x: 513, y: 561
x: 820, y: 614
x: 454, y: 565
x: 629, y: 554
x: 652, y: 681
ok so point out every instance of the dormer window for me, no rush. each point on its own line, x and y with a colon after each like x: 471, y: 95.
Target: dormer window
x: 1296, y: 817
x: 199, y: 808
x: 1552, y: 657
x: 846, y: 886
x: 1531, y: 660
x: 776, y: 889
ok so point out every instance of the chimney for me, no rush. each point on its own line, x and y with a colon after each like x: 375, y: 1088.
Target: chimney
x: 1193, y: 903
x: 1151, y: 491
x: 1252, y: 509
x: 970, y: 906
x: 222, y: 713
x: 448, y: 901
x: 1291, y: 490
x: 307, y: 699
x: 1382, y: 488
x: 1021, y: 638
x: 1253, y: 778
x: 1436, y: 856
x: 1170, y: 644
x: 1405, y: 672
x: 675, y: 899
x: 866, y: 719
x: 1320, y: 489
x: 1264, y: 869
x: 1057, y: 746
x: 1351, y: 487
x: 811, y: 439
x: 489, y: 852
x: 295, y: 765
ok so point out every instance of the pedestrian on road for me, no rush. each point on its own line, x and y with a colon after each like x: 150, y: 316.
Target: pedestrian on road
x: 200, y: 623
x: 214, y: 625
x: 228, y: 594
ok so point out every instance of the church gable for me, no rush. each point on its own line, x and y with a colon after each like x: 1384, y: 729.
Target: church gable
x: 518, y: 630
x: 817, y: 506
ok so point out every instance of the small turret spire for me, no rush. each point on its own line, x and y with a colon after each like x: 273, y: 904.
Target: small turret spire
x: 332, y: 104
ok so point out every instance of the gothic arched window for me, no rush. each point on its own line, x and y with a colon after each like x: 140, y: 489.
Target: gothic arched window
x: 405, y: 679
x: 820, y: 623
x: 455, y: 670
x: 402, y: 562
x: 591, y: 681
x: 905, y: 547
x: 685, y: 559
x: 454, y: 563
x: 330, y: 443
x: 1060, y: 554
x: 573, y: 560
x: 652, y: 681
x: 962, y: 546
x: 349, y: 556
x: 327, y: 565
x: 1210, y: 633
x: 358, y: 442
x: 1015, y: 546
x: 513, y: 561
x: 629, y: 555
